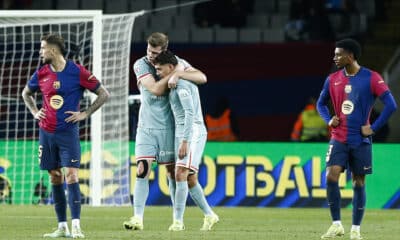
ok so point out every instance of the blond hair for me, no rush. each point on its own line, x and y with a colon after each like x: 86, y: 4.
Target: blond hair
x: 158, y: 39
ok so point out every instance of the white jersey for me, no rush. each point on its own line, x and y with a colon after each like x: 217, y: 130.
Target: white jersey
x: 186, y: 107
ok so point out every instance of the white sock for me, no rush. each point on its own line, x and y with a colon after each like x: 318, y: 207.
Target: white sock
x: 338, y: 222
x: 63, y: 225
x: 355, y: 228
x: 76, y: 223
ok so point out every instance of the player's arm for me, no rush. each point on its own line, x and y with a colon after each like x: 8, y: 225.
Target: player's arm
x: 30, y: 103
x: 192, y: 74
x: 157, y: 88
x: 102, y: 96
x: 379, y: 88
x: 389, y: 107
x: 322, y: 106
x: 186, y: 100
x: 186, y: 71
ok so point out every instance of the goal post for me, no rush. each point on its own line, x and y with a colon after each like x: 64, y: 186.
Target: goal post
x: 102, y: 44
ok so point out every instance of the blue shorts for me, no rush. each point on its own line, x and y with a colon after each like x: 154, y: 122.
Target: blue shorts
x: 60, y: 149
x: 358, y: 159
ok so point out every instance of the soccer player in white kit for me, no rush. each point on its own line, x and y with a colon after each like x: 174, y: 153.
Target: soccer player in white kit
x: 155, y: 132
x: 190, y: 140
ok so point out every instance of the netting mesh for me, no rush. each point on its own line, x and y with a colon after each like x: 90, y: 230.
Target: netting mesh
x: 19, y: 54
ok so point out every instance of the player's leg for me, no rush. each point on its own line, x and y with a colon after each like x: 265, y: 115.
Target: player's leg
x: 141, y: 192
x: 197, y: 194
x: 166, y: 140
x: 195, y: 189
x: 50, y: 161
x: 171, y: 181
x: 336, y: 159
x: 181, y: 193
x: 146, y: 152
x: 74, y: 201
x: 360, y: 165
x: 70, y: 154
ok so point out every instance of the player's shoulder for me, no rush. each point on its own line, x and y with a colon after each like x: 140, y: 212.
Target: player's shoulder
x: 185, y: 83
x: 336, y: 74
x: 142, y: 64
x: 374, y: 74
x: 73, y: 66
x: 142, y: 61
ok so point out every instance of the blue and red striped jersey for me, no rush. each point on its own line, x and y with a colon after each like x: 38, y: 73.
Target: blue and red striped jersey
x: 61, y: 92
x: 352, y: 98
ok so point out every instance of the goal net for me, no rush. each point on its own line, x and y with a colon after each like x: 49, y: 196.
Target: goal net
x: 102, y: 44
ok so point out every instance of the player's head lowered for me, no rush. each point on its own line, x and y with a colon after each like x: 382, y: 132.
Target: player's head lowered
x: 165, y: 63
x: 346, y: 52
x: 156, y: 43
x: 51, y: 46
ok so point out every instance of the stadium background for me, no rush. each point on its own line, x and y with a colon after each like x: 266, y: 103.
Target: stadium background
x: 266, y: 78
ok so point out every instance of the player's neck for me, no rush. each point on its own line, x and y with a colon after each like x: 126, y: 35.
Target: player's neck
x: 352, y: 69
x: 58, y: 64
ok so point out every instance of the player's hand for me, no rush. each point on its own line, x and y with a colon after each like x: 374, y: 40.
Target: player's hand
x: 183, y: 148
x: 366, y: 130
x: 173, y: 80
x: 334, y: 122
x: 41, y: 114
x: 75, y: 116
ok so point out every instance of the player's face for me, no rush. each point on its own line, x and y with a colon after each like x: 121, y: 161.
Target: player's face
x: 46, y: 52
x: 152, y: 52
x: 163, y: 70
x: 342, y: 58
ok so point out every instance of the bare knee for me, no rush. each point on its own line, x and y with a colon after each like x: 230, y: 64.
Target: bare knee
x: 181, y: 174
x: 170, y: 171
x: 358, y: 180
x: 333, y: 173
x: 72, y: 175
x: 56, y: 177
x: 192, y: 180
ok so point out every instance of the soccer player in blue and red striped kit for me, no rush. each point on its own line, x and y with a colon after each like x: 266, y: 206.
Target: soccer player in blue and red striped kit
x: 352, y: 91
x: 62, y: 83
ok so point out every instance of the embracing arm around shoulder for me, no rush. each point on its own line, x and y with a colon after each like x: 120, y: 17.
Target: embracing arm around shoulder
x: 191, y: 74
x: 157, y: 88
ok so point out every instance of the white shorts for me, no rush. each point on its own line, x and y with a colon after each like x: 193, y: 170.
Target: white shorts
x: 196, y: 148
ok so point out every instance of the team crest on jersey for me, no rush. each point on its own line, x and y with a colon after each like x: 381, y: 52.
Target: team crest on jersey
x: 56, y: 102
x: 347, y: 89
x: 56, y: 84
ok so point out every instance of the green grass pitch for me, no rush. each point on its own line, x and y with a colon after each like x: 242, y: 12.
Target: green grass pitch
x: 30, y: 222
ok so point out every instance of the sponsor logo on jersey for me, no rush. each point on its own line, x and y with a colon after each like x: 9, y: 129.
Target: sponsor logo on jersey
x: 347, y: 107
x: 56, y: 102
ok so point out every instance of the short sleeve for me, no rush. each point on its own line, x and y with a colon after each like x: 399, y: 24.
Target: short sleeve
x: 378, y: 85
x: 141, y: 69
x: 87, y: 79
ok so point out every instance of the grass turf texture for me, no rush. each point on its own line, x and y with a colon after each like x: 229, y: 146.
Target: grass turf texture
x: 31, y: 222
